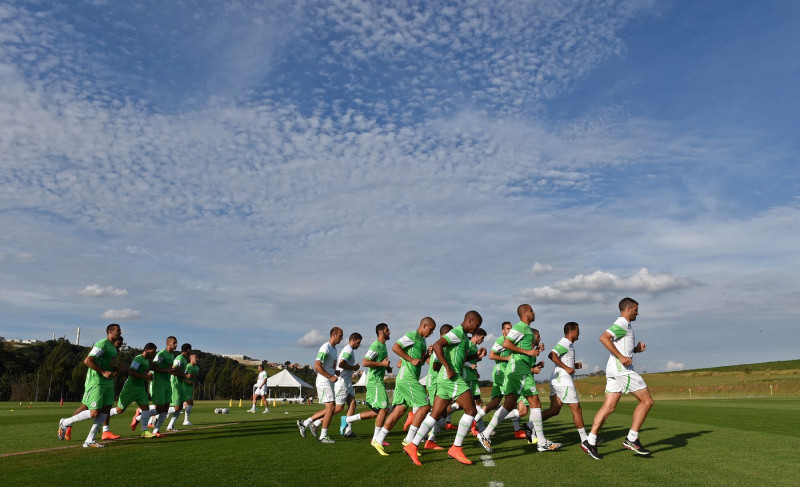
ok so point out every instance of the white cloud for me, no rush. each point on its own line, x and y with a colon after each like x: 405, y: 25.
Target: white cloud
x: 25, y: 257
x: 540, y: 269
x: 600, y: 285
x: 312, y: 339
x: 673, y: 366
x: 121, y: 314
x: 96, y: 291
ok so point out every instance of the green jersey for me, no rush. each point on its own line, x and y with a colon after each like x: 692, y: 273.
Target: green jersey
x: 140, y: 365
x: 468, y: 372
x: 163, y: 360
x: 456, y: 350
x: 522, y: 336
x: 414, y: 345
x: 103, y: 352
x: 179, y: 363
x: 376, y: 353
x: 194, y: 370
x: 499, y: 349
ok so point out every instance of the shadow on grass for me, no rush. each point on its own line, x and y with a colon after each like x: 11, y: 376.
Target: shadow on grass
x: 677, y: 441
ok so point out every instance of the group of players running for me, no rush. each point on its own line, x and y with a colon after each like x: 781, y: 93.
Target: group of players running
x: 452, y: 383
x: 166, y: 377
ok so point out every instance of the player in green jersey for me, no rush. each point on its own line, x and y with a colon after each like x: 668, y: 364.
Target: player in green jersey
x: 501, y: 356
x: 192, y: 373
x: 178, y: 391
x: 376, y: 360
x: 434, y: 366
x: 99, y: 394
x: 451, y: 350
x: 135, y: 388
x: 408, y: 392
x: 524, y: 345
x: 470, y: 370
x: 161, y: 389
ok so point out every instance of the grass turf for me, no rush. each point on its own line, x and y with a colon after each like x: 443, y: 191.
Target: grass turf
x: 697, y: 442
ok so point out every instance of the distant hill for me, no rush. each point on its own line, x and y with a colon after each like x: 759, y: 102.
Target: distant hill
x: 746, y: 368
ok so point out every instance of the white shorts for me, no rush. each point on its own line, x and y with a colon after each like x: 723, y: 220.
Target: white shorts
x: 342, y: 390
x: 260, y: 391
x: 565, y: 391
x: 325, y: 391
x: 623, y: 384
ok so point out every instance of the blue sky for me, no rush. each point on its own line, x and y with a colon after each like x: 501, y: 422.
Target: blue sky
x: 246, y: 175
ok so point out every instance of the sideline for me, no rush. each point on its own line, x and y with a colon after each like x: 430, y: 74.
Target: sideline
x: 79, y: 444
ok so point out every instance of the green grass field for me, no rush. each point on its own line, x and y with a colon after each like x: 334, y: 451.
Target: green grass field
x: 694, y: 442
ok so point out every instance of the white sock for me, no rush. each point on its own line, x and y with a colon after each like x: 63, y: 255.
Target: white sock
x: 633, y: 435
x: 323, y: 433
x: 381, y: 435
x: 186, y: 413
x: 412, y: 432
x: 96, y: 424
x: 159, y: 421
x: 376, y: 433
x: 171, y: 423
x: 317, y: 422
x: 106, y: 428
x: 582, y: 433
x: 113, y: 412
x: 481, y: 413
x: 426, y: 426
x: 463, y: 428
x: 144, y: 417
x: 81, y: 416
x: 536, y: 423
x: 308, y: 422
x: 355, y: 417
x: 592, y: 439
x: 499, y: 416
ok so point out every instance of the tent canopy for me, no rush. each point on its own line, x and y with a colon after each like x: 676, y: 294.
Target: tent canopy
x: 284, y: 378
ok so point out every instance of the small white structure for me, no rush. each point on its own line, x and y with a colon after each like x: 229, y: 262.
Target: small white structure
x: 284, y: 378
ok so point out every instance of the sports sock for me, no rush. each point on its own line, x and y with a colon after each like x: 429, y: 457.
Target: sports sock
x: 81, y: 416
x: 96, y: 424
x: 582, y: 433
x: 535, y: 419
x: 355, y: 417
x: 480, y: 414
x: 375, y: 433
x: 592, y: 439
x: 323, y: 433
x: 499, y: 416
x: 412, y: 432
x: 308, y: 422
x: 144, y: 417
x: 633, y: 435
x: 112, y: 413
x: 106, y: 428
x: 186, y: 412
x: 317, y: 422
x: 463, y: 428
x: 381, y: 435
x: 159, y: 421
x: 426, y: 426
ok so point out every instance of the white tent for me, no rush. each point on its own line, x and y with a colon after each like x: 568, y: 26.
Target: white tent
x: 284, y: 378
x: 362, y: 381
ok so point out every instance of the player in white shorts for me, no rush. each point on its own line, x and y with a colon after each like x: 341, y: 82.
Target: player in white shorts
x: 562, y: 387
x: 325, y: 365
x: 622, y: 379
x: 259, y: 389
x: 343, y: 390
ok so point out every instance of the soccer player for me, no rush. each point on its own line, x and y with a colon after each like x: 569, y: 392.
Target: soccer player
x: 325, y: 365
x: 192, y: 373
x: 622, y: 379
x: 259, y: 389
x: 99, y: 394
x: 434, y: 366
x: 135, y: 388
x: 470, y: 369
x: 522, y: 340
x: 377, y: 361
x: 451, y: 350
x: 178, y: 391
x: 107, y: 434
x: 408, y: 392
x: 562, y: 387
x: 160, y: 387
x: 343, y: 389
x: 501, y: 356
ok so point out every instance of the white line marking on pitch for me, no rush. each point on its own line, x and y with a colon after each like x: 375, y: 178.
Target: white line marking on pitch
x: 487, y: 461
x: 496, y: 484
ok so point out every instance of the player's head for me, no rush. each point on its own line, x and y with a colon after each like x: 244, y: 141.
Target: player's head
x: 186, y: 348
x: 426, y: 327
x: 149, y: 350
x: 526, y: 314
x: 478, y: 336
x: 355, y: 340
x: 445, y: 329
x: 118, y: 341
x: 572, y: 331
x: 536, y: 336
x: 506, y: 327
x: 172, y: 343
x: 193, y: 359
x: 628, y: 308
x: 113, y: 331
x: 336, y: 335
x: 382, y: 331
x: 260, y: 368
x: 472, y: 321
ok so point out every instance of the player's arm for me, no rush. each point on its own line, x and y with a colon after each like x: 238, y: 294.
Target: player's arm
x: 639, y: 348
x: 498, y: 358
x: 398, y: 350
x: 344, y: 365
x: 509, y: 345
x: 321, y: 371
x: 557, y: 360
x: 373, y: 364
x: 90, y: 362
x: 605, y: 339
x: 537, y: 368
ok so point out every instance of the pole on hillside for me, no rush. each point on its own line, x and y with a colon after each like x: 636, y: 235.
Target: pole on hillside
x: 690, y: 393
x: 770, y: 390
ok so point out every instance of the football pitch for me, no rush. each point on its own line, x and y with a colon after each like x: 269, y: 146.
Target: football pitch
x: 693, y: 442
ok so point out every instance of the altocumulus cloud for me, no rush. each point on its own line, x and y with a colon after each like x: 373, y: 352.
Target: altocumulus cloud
x: 96, y: 291
x: 312, y: 339
x: 599, y: 285
x: 121, y: 314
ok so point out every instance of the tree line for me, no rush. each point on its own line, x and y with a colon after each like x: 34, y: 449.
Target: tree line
x: 54, y: 370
